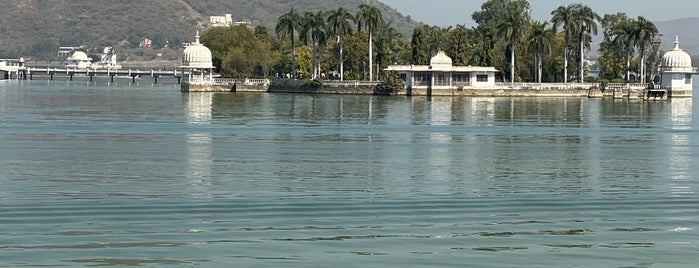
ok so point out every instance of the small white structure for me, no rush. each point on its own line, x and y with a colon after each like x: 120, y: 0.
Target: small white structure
x: 221, y: 21
x: 441, y: 74
x: 78, y: 60
x: 676, y: 71
x: 197, y: 65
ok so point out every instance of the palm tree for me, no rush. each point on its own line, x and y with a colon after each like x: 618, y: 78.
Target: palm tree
x: 585, y: 22
x: 287, y: 24
x: 645, y: 32
x: 625, y: 37
x: 313, y: 33
x: 369, y: 17
x: 339, y: 25
x: 512, y: 27
x: 563, y: 16
x: 540, y: 40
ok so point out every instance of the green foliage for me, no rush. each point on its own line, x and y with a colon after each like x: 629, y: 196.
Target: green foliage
x: 238, y: 52
x: 419, y: 46
x: 391, y: 83
x: 313, y: 83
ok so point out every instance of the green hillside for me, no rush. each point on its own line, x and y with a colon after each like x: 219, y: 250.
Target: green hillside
x: 37, y: 28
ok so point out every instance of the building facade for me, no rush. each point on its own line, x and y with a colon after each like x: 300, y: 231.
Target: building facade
x: 441, y: 75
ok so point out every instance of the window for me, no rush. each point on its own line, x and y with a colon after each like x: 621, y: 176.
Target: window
x: 482, y: 78
x: 688, y: 79
x: 441, y: 80
x: 459, y: 78
x: 422, y: 79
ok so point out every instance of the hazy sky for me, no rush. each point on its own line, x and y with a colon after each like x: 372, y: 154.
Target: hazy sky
x: 452, y: 12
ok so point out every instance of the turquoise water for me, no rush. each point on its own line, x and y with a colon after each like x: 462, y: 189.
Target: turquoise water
x: 116, y: 174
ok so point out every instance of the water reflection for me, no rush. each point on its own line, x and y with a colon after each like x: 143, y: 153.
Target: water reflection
x: 198, y: 107
x: 680, y: 151
x: 199, y: 160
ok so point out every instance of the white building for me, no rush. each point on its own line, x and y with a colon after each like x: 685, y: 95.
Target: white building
x: 78, y: 60
x: 197, y: 65
x: 225, y: 20
x: 676, y: 71
x: 442, y: 75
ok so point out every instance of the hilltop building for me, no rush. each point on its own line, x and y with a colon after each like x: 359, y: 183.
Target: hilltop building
x: 443, y: 76
x: 676, y: 72
x: 224, y: 21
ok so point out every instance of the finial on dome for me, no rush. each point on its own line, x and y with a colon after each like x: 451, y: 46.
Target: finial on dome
x: 196, y: 38
x: 677, y: 43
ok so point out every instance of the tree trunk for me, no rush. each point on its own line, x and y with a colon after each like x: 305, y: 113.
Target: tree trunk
x: 293, y: 57
x: 371, y: 59
x: 565, y: 63
x: 628, y: 68
x: 315, y: 61
x: 539, y: 68
x: 512, y: 65
x: 582, y: 62
x: 342, y: 62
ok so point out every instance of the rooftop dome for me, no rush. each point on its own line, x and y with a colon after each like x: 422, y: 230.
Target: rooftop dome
x: 676, y: 58
x: 197, y: 55
x: 441, y: 59
x: 79, y: 56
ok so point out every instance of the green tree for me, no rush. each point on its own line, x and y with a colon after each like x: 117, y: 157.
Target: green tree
x: 625, y: 37
x: 512, y: 27
x: 563, y: 17
x: 645, y: 34
x: 612, y: 55
x: 540, y: 40
x: 419, y: 46
x: 314, y: 34
x: 585, y: 22
x: 369, y: 17
x: 287, y: 24
x: 459, y: 45
x: 339, y: 24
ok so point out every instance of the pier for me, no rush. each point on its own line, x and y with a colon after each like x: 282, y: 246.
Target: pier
x: 51, y: 72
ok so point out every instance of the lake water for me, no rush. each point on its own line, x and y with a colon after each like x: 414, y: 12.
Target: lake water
x: 115, y: 174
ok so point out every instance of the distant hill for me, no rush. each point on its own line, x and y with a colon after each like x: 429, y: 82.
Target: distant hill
x: 38, y: 28
x: 687, y: 31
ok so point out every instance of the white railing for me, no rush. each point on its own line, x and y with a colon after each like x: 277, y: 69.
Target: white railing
x: 628, y: 85
x: 678, y: 69
x: 231, y: 81
x: 545, y: 86
x: 350, y: 83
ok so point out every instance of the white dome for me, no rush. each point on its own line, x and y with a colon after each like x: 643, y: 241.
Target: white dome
x: 441, y: 59
x: 676, y: 58
x: 197, y: 55
x: 79, y: 56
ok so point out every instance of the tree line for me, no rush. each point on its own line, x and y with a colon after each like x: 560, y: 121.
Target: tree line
x: 336, y: 44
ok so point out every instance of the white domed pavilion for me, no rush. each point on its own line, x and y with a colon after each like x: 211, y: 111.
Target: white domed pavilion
x: 78, y: 60
x: 676, y: 71
x: 441, y: 77
x: 197, y: 63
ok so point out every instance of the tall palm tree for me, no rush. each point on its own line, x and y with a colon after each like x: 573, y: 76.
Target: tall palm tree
x: 512, y: 27
x: 540, y: 40
x: 625, y: 37
x: 563, y: 16
x: 287, y: 24
x: 339, y: 24
x: 585, y: 22
x: 645, y: 34
x: 313, y: 33
x: 370, y: 17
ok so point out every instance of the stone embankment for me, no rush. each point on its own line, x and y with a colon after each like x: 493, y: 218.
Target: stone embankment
x: 370, y: 88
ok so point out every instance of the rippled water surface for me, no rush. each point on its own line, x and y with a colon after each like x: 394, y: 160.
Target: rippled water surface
x: 98, y: 174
